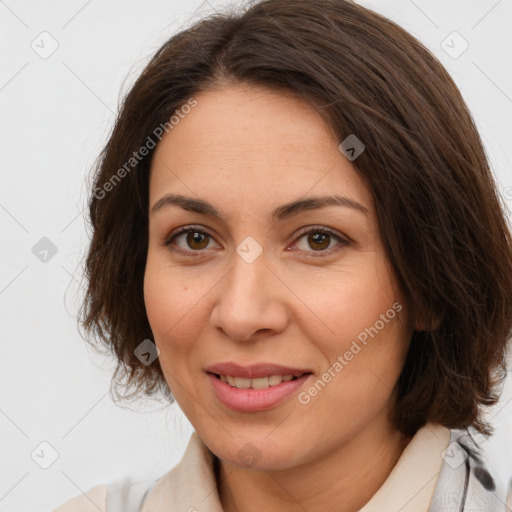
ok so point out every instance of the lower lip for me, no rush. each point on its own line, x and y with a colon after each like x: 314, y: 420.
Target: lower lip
x: 254, y: 399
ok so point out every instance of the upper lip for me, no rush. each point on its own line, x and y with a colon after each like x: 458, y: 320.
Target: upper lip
x: 254, y: 371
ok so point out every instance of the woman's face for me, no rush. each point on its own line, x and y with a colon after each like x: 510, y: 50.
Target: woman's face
x: 307, y: 288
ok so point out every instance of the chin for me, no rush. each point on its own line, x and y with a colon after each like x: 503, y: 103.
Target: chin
x: 257, y: 452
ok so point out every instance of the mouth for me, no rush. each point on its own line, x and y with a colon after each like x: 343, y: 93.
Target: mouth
x: 257, y: 383
x: 247, y: 395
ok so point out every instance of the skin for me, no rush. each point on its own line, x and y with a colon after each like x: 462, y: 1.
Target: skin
x: 248, y: 150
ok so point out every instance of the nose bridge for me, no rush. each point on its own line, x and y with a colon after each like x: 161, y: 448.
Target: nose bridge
x: 245, y: 287
x: 246, y: 301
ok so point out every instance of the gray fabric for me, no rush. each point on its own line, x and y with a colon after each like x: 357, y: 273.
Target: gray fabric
x: 127, y: 496
x: 465, y: 483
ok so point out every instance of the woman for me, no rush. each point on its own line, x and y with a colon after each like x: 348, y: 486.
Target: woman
x: 296, y: 236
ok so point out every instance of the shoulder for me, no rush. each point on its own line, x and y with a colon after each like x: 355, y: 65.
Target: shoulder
x: 93, y: 500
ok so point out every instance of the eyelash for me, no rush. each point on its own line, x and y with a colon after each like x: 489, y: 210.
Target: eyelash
x: 305, y: 231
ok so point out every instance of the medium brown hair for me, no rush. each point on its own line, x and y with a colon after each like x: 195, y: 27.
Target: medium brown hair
x: 440, y: 217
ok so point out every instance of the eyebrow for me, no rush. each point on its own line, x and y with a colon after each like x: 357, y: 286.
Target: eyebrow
x: 281, y: 212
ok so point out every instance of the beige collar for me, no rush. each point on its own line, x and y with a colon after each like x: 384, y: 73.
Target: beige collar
x: 191, y: 484
x: 410, y: 485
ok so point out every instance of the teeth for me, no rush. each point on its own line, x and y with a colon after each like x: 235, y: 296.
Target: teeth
x: 274, y: 380
x: 259, y: 383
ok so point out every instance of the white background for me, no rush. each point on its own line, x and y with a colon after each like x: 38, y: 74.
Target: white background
x: 56, y: 114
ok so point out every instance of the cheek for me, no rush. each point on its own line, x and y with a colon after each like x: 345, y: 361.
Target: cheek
x: 343, y: 303
x: 366, y: 336
x: 173, y: 313
x: 359, y: 376
x: 173, y: 307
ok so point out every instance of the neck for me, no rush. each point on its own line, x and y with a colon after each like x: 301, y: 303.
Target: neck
x: 343, y: 480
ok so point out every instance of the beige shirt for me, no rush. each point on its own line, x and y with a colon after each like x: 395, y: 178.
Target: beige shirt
x: 191, y: 484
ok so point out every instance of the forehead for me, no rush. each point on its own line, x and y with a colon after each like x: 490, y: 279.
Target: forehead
x: 270, y: 143
x: 249, y: 120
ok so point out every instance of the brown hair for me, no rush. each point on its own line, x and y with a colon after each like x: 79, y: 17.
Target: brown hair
x: 440, y: 217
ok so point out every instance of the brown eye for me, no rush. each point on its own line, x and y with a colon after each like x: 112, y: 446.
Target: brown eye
x: 196, y: 237
x: 195, y: 240
x: 318, y: 240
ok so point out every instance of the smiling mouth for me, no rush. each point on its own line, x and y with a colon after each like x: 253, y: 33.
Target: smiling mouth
x: 258, y: 383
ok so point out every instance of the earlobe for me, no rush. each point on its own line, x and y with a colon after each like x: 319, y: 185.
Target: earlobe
x: 420, y: 325
x: 423, y: 324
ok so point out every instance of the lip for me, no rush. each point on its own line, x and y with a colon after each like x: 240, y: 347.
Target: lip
x: 252, y: 400
x: 254, y: 371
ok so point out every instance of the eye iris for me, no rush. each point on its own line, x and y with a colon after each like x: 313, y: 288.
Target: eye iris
x: 318, y: 238
x: 196, y: 237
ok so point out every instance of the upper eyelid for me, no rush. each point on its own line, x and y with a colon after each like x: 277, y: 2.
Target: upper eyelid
x: 186, y: 229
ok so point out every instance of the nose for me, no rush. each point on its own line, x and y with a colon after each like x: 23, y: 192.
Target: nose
x: 250, y: 300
